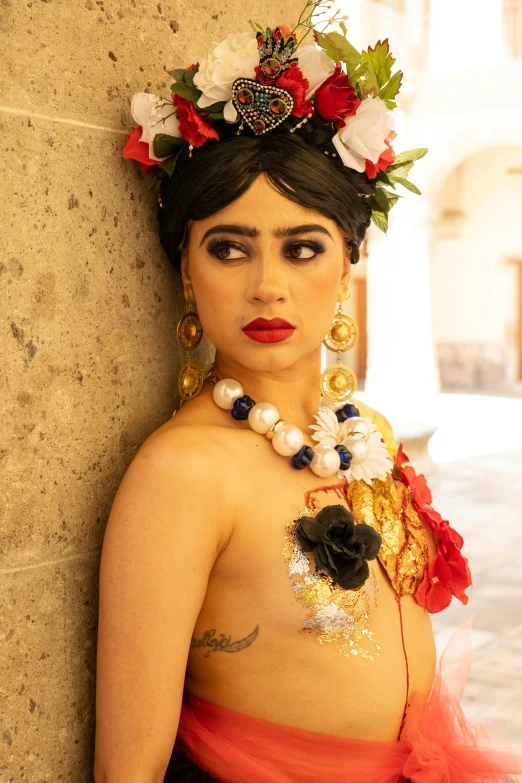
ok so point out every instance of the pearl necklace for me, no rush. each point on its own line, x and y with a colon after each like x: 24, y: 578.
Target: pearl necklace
x: 286, y: 439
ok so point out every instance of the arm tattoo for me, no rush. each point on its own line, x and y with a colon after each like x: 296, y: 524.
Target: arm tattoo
x: 223, y: 643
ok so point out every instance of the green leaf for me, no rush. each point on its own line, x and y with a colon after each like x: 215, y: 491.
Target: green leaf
x: 380, y: 61
x: 390, y: 104
x: 190, y: 93
x: 392, y: 87
x: 189, y: 77
x: 169, y: 164
x: 214, y: 108
x: 370, y: 86
x: 409, y: 156
x: 383, y: 177
x: 384, y: 199
x: 357, y: 72
x: 407, y: 184
x: 381, y: 200
x: 177, y: 74
x: 380, y: 220
x: 165, y: 145
x: 337, y: 47
x: 152, y: 176
x: 256, y: 27
x: 400, y: 170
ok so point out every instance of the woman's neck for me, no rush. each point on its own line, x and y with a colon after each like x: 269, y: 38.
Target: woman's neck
x: 293, y: 390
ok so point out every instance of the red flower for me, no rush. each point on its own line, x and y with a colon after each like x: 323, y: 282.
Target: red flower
x: 192, y: 126
x: 442, y: 580
x: 447, y: 534
x: 434, y: 592
x: 419, y: 489
x: 292, y: 79
x: 448, y: 574
x: 138, y: 150
x: 336, y: 98
x: 386, y: 158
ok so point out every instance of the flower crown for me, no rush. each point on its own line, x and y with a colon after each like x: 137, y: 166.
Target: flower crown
x: 263, y: 81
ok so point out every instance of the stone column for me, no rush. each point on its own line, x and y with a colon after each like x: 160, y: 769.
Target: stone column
x: 89, y: 355
x: 402, y: 379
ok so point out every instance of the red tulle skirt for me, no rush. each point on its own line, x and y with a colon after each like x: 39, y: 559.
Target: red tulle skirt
x: 438, y: 744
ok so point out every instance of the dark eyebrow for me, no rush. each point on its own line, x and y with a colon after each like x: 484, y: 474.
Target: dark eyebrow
x: 247, y: 231
x: 306, y: 228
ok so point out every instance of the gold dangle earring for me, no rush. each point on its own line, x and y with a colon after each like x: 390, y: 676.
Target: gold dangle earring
x: 338, y: 382
x: 189, y: 333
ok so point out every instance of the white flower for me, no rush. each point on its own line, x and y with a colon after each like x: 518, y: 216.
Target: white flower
x: 377, y: 464
x: 328, y: 428
x: 236, y: 56
x: 330, y: 432
x: 155, y: 115
x: 364, y: 134
x: 315, y: 65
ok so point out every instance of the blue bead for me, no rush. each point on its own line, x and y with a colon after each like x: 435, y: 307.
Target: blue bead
x: 347, y: 412
x: 345, y: 456
x: 242, y: 407
x: 303, y: 457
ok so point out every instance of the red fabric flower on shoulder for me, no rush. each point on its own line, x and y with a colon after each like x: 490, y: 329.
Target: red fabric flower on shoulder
x: 192, y: 126
x: 138, y: 150
x: 386, y: 158
x: 336, y: 98
x: 448, y: 573
x: 292, y: 79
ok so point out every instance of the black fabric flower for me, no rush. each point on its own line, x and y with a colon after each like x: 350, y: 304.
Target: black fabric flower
x: 341, y: 548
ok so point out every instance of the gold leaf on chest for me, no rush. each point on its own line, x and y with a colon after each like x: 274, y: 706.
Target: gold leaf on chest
x: 388, y: 508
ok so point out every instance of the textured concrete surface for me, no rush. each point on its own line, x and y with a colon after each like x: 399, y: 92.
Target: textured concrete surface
x: 88, y: 310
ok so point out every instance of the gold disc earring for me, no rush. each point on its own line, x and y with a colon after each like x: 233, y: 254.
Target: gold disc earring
x: 338, y: 382
x: 189, y: 333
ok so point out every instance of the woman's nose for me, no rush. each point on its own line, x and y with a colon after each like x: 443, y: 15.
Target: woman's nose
x: 267, y: 281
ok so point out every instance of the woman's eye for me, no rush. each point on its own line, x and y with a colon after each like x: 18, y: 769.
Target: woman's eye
x: 227, y: 251
x: 305, y: 251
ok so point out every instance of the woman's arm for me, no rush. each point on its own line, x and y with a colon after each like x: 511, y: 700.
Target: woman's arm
x: 163, y: 536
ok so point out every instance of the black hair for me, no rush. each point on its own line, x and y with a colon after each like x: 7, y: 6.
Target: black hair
x: 219, y: 172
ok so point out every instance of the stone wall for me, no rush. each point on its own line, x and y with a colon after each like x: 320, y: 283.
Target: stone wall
x: 89, y: 354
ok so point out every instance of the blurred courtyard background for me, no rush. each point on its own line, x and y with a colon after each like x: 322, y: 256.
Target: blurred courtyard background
x: 447, y: 283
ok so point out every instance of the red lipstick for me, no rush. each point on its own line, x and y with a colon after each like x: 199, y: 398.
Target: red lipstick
x: 269, y: 331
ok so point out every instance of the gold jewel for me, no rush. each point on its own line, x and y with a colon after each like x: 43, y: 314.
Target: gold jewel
x: 189, y: 333
x: 338, y: 382
x: 274, y: 428
x: 293, y: 130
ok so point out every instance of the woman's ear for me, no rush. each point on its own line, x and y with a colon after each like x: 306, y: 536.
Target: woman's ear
x: 347, y: 266
x: 184, y: 266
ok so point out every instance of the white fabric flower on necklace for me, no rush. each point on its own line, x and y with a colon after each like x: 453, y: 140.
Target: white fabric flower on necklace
x: 371, y: 459
x: 236, y: 56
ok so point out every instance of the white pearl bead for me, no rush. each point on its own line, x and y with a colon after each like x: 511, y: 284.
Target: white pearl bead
x: 328, y: 440
x: 357, y: 424
x: 326, y: 461
x: 262, y: 416
x: 288, y: 440
x: 226, y: 392
x: 357, y: 447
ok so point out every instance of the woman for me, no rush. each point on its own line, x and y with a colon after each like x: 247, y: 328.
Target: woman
x: 265, y: 585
